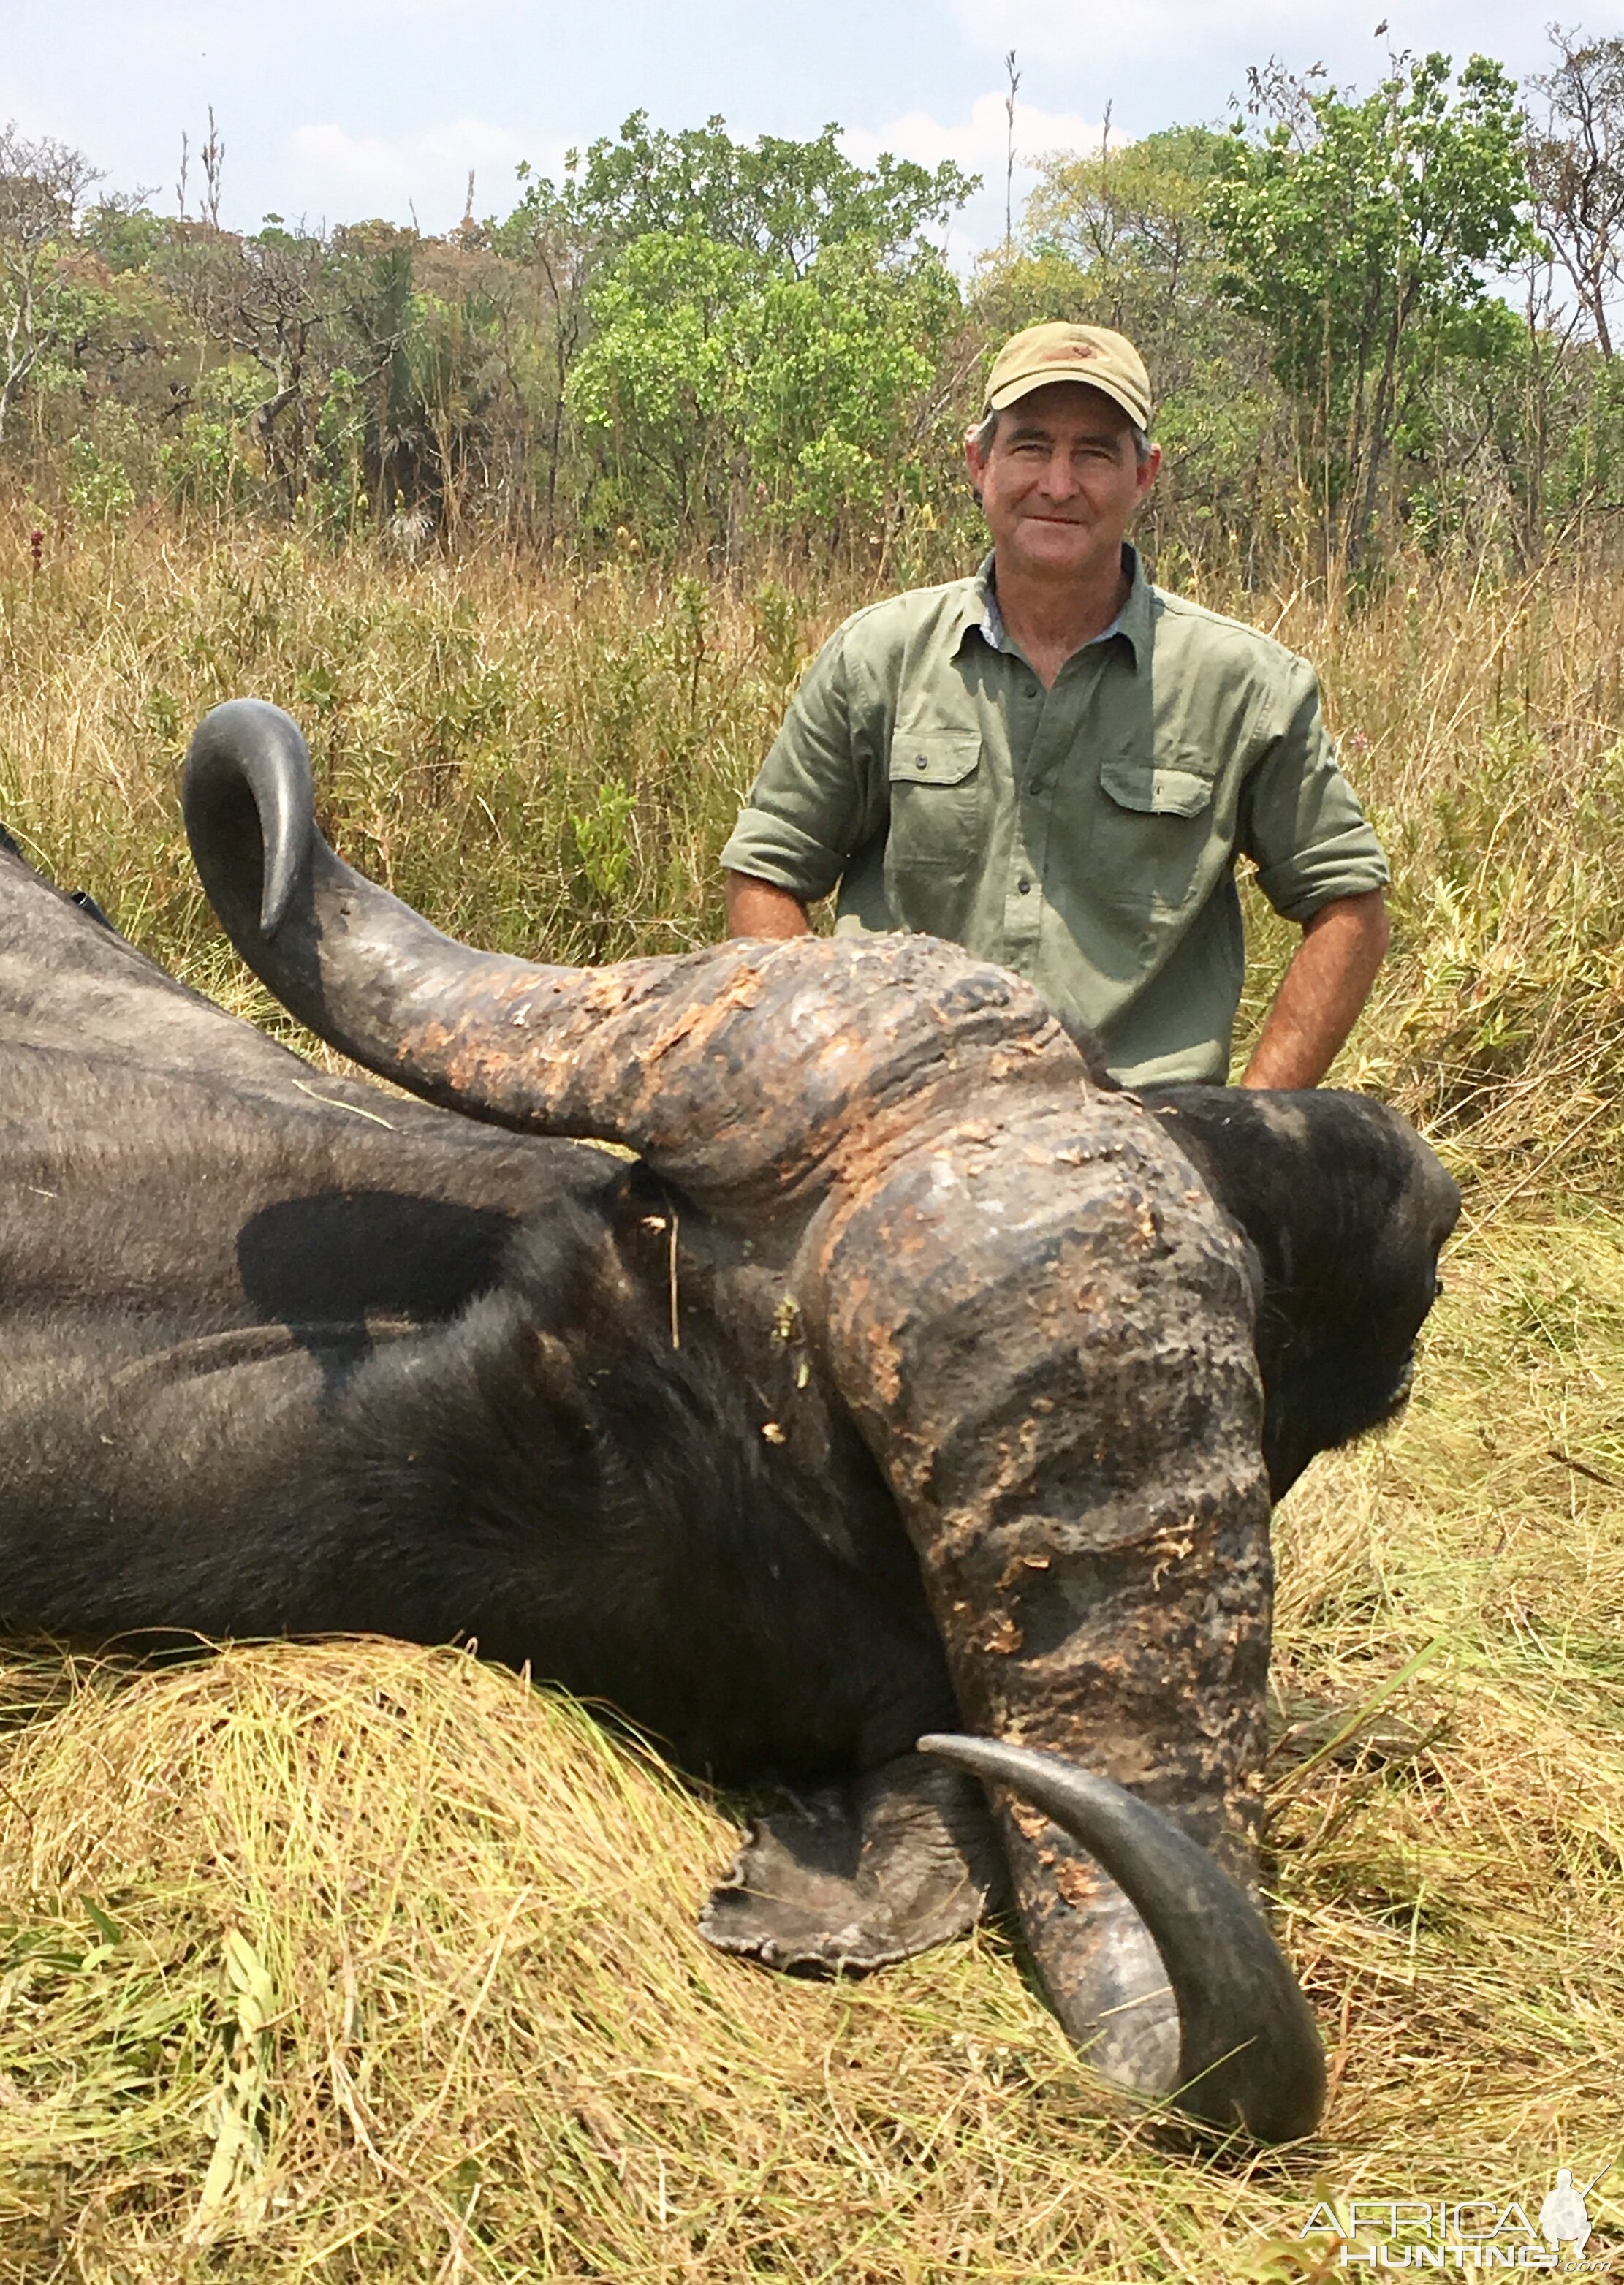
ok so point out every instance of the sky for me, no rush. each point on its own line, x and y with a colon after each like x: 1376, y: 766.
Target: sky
x: 340, y: 110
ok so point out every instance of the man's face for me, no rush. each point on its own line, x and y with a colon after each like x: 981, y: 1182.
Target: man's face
x: 1061, y: 481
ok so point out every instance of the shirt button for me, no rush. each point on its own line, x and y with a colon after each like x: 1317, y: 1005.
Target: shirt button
x: 1024, y: 884
x: 1037, y: 785
x: 921, y: 762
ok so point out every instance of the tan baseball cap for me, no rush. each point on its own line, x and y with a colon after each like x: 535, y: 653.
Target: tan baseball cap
x: 1091, y: 354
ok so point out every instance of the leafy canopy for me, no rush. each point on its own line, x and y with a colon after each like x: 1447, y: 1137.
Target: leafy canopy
x: 766, y: 322
x: 1360, y: 235
x: 1354, y: 224
x: 778, y: 200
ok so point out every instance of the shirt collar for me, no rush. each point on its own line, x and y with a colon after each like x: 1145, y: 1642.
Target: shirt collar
x: 1132, y: 622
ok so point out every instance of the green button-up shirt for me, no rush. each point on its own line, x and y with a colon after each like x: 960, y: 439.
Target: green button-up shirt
x: 1085, y: 836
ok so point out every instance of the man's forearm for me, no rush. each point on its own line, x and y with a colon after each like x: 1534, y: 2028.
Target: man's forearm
x: 1321, y: 994
x: 759, y: 909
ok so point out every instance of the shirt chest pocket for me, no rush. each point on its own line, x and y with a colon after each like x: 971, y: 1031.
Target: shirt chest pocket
x: 937, y: 796
x: 1157, y: 841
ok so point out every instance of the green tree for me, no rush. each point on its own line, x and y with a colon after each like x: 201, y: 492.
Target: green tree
x: 544, y: 322
x: 780, y: 201
x: 43, y: 185
x: 1576, y: 163
x: 1360, y: 233
x: 841, y: 391
x: 661, y: 379
x: 765, y: 326
x: 264, y: 297
x: 380, y: 315
x: 726, y: 406
x: 1133, y: 224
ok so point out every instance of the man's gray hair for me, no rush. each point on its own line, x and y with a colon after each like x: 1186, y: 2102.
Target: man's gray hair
x: 988, y: 430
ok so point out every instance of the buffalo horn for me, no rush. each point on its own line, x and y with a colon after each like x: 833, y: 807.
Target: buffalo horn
x: 1034, y: 1316
x: 1250, y: 2050
x: 744, y: 1072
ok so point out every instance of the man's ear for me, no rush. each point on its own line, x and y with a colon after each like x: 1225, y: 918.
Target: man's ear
x: 975, y: 463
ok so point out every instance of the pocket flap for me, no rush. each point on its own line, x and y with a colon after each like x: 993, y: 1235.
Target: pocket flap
x: 1170, y: 792
x: 938, y: 758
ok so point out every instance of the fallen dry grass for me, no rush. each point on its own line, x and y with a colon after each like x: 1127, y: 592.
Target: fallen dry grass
x: 357, y: 1962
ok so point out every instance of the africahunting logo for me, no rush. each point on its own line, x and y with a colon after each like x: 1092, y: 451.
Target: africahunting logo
x: 1460, y: 2234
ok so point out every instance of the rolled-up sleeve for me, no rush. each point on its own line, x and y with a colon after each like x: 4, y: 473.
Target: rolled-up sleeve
x: 1301, y: 822
x: 807, y: 809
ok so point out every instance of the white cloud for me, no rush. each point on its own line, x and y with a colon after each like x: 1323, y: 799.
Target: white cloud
x: 979, y: 144
x: 354, y: 175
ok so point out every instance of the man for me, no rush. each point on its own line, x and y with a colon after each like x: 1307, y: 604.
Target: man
x: 1055, y: 764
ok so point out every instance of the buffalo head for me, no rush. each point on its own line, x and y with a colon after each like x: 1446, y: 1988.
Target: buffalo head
x: 1013, y: 1279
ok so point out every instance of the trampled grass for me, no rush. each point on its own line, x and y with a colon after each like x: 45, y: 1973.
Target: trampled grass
x: 352, y: 1961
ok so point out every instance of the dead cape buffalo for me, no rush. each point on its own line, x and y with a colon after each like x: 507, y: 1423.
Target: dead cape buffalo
x: 911, y: 1378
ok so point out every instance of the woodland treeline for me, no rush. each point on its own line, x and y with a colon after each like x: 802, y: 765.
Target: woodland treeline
x: 1380, y: 324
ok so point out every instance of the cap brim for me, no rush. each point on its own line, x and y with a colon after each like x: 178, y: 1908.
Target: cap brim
x: 1088, y: 374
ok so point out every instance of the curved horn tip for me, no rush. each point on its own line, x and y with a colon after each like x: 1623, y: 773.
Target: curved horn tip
x: 265, y: 748
x: 1250, y: 2051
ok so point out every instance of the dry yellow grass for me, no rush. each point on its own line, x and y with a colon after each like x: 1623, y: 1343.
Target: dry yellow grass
x: 551, y: 766
x: 355, y: 1961
x: 350, y: 1961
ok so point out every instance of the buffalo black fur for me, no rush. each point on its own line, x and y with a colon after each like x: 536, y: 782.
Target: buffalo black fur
x: 287, y: 1353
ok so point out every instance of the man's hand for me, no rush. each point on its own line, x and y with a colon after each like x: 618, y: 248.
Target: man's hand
x: 1321, y: 992
x: 757, y: 909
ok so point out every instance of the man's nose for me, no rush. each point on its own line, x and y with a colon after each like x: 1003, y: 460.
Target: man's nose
x: 1060, y: 477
